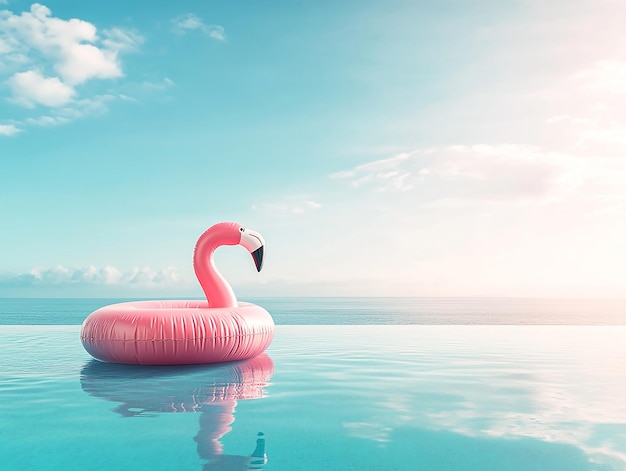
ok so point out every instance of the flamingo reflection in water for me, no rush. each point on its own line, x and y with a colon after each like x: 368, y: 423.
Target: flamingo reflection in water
x: 210, y: 390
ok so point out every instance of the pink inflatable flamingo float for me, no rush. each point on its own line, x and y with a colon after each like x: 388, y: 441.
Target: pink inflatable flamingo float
x: 186, y: 332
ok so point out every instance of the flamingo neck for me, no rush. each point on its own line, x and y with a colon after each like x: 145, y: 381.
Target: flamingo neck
x: 215, y: 422
x: 216, y: 289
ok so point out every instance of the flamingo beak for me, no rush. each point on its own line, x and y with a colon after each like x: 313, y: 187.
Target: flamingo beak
x: 257, y: 255
x: 255, y: 244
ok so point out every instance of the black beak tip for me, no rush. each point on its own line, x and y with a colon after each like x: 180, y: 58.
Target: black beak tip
x: 257, y: 255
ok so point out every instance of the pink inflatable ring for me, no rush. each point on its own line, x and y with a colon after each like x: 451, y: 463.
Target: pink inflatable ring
x: 186, y: 332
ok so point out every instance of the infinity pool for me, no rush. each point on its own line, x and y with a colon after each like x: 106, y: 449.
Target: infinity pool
x: 440, y: 398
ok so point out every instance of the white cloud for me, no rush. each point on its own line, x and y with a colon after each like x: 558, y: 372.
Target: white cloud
x: 118, y: 39
x: 581, y: 163
x: 182, y: 23
x: 190, y: 22
x: 68, y: 44
x: 590, y: 120
x: 9, y: 130
x: 91, y: 275
x: 475, y: 172
x: 292, y: 204
x: 31, y: 88
x: 149, y: 87
x: 5, y: 48
x: 82, y: 62
x: 45, y: 60
x: 46, y: 120
x: 606, y: 75
x: 76, y: 109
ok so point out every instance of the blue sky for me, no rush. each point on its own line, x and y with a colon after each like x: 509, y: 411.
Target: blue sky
x: 401, y: 148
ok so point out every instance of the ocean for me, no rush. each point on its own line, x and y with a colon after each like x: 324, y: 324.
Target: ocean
x: 359, y: 311
x: 489, y: 385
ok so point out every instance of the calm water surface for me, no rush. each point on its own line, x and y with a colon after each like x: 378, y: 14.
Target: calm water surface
x: 376, y: 311
x: 472, y: 398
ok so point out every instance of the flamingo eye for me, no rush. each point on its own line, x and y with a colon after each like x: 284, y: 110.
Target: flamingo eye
x: 241, y: 229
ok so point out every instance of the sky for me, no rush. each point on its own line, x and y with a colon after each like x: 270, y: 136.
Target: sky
x: 398, y: 148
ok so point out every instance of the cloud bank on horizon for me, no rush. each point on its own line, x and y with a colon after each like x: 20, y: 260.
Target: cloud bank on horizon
x: 108, y: 275
x: 479, y: 155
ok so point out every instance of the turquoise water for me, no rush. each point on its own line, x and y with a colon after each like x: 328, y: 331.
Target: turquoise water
x: 372, y: 311
x: 471, y: 398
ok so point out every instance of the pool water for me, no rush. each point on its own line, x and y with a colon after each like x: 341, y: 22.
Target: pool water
x: 418, y: 397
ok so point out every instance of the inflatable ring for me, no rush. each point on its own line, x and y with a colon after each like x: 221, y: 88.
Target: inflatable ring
x: 186, y: 332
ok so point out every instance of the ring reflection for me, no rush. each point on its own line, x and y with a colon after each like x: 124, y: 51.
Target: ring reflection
x: 210, y: 390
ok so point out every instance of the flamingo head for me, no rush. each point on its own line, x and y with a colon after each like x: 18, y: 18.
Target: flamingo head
x: 253, y: 243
